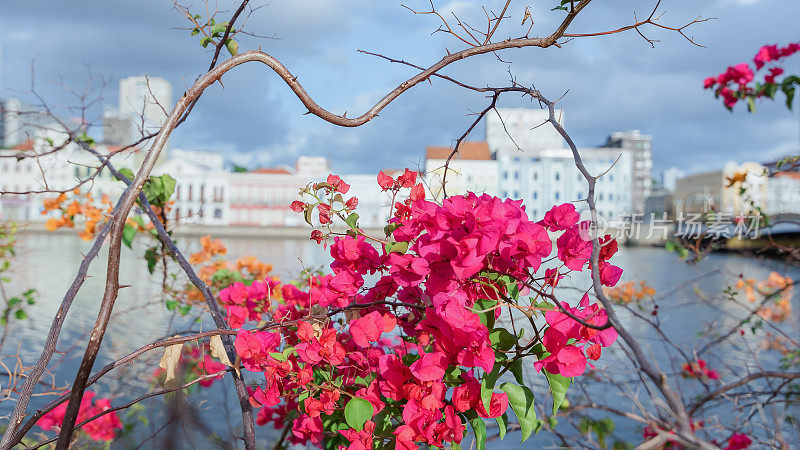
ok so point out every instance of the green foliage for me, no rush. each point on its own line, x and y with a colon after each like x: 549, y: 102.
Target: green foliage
x: 159, y: 189
x: 520, y: 399
x: 558, y: 388
x: 357, y: 412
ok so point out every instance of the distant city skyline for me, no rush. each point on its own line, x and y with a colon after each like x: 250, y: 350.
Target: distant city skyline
x: 254, y: 120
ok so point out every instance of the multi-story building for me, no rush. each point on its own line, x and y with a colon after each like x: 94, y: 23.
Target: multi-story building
x: 262, y: 197
x: 201, y: 187
x: 515, y: 129
x: 142, y: 109
x: 551, y: 177
x: 719, y: 190
x: 20, y: 122
x: 783, y: 194
x: 27, y: 179
x: 471, y: 170
x: 148, y: 97
x: 640, y: 146
x: 374, y: 205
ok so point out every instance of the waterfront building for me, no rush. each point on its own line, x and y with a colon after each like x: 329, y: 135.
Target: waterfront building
x: 471, y: 170
x: 20, y: 122
x: 640, y: 147
x: 202, y: 187
x: 56, y: 171
x: 783, y: 194
x: 719, y: 190
x: 551, y: 178
x: 515, y: 129
x: 141, y: 110
x: 262, y: 197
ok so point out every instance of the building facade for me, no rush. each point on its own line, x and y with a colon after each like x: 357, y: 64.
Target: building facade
x: 552, y: 178
x: 719, y: 190
x: 515, y: 129
x: 202, y: 188
x: 471, y: 170
x: 640, y: 147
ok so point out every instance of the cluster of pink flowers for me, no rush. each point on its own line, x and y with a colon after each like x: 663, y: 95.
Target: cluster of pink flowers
x: 416, y: 344
x: 699, y: 369
x: 101, y: 429
x: 733, y: 84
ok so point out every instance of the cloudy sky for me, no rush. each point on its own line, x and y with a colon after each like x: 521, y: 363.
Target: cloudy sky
x: 615, y: 83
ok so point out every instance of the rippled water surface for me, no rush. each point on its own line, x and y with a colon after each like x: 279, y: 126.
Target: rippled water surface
x: 49, y: 263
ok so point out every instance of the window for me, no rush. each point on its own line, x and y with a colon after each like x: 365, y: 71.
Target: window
x: 516, y: 194
x: 505, y: 175
x: 557, y: 176
x: 535, y: 195
x: 516, y: 175
x: 178, y: 192
x: 535, y: 176
x: 557, y: 195
x: 218, y: 213
x: 190, y: 196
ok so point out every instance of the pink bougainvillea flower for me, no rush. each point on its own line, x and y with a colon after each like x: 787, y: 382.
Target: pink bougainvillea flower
x: 385, y: 181
x: 337, y: 183
x: 560, y: 217
x: 430, y: 366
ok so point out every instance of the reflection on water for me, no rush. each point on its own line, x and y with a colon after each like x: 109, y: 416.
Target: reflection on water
x: 49, y: 263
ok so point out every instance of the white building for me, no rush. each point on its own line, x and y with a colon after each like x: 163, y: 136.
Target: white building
x: 471, y: 170
x: 202, y: 188
x: 640, y: 147
x: 551, y: 178
x: 374, y: 205
x: 783, y: 193
x: 145, y: 96
x: 669, y: 177
x: 55, y: 171
x: 262, y: 197
x: 20, y: 122
x: 512, y: 129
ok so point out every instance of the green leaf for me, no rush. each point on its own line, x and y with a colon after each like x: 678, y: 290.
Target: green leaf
x: 168, y: 184
x: 502, y: 425
x: 232, y: 46
x: 516, y: 369
x: 151, y: 258
x: 205, y: 40
x: 352, y: 221
x: 171, y: 304
x: 487, y: 385
x: 558, y: 388
x: 20, y: 314
x: 751, y: 104
x: 479, y: 428
x: 357, y: 412
x: 184, y: 310
x: 520, y: 399
x: 501, y: 339
x: 195, y: 31
x: 128, y: 234
x: 400, y: 247
x: 307, y: 214
x: 128, y: 173
x: 486, y: 314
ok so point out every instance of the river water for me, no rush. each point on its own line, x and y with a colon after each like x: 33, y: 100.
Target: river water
x: 49, y: 261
